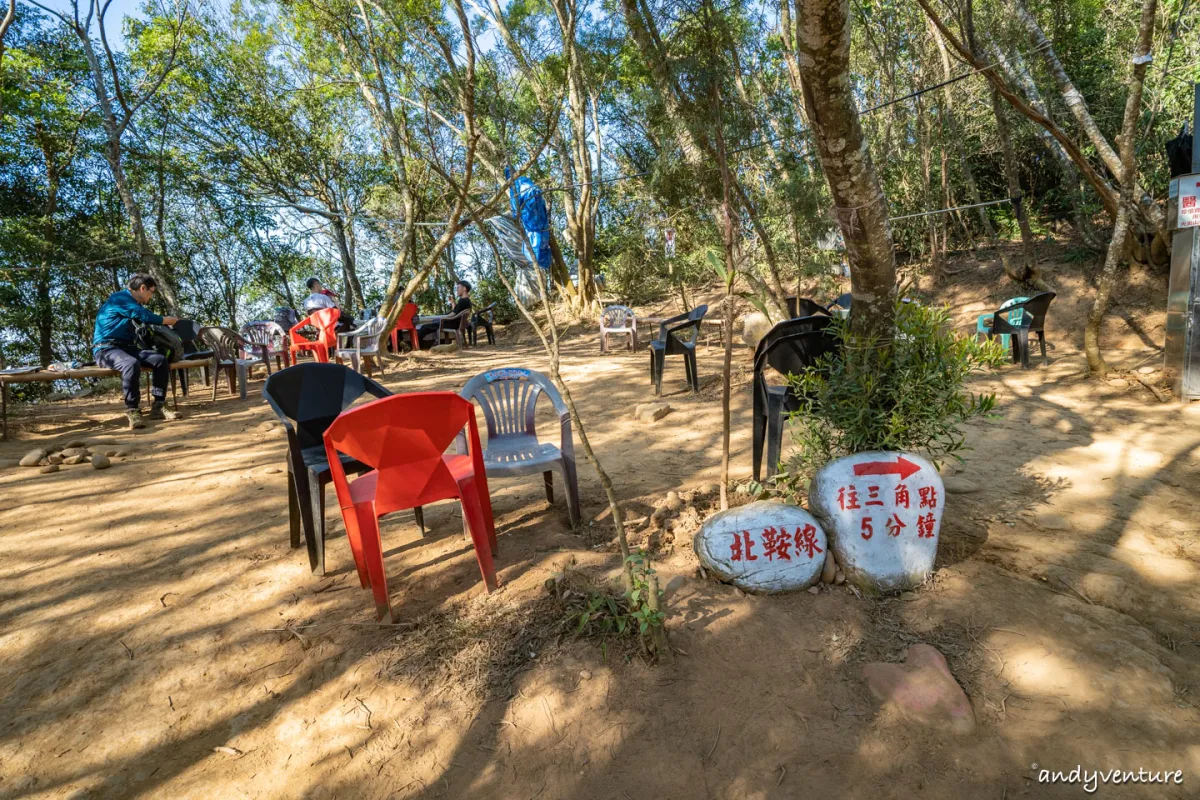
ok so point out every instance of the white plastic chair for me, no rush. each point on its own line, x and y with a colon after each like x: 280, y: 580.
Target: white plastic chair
x: 362, y: 342
x: 618, y: 319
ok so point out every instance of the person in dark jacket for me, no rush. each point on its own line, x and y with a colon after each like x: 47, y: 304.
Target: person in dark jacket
x: 114, y: 344
x: 429, y: 330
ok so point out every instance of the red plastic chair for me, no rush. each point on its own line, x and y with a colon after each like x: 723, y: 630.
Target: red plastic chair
x: 403, y: 439
x: 325, y: 320
x: 405, y: 323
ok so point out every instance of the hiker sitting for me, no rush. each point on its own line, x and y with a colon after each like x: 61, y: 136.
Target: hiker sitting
x: 428, y: 332
x: 321, y: 297
x: 115, y: 346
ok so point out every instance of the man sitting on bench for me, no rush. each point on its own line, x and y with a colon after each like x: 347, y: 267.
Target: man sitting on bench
x: 114, y: 344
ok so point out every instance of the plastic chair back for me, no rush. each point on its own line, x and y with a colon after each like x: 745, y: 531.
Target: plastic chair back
x: 616, y: 318
x: 509, y: 399
x: 404, y: 322
x: 403, y: 438
x: 265, y: 333
x: 312, y: 395
x: 325, y: 320
x: 794, y: 353
x: 781, y: 330
x: 225, y: 344
x: 365, y: 338
x: 804, y: 307
x: 1031, y: 314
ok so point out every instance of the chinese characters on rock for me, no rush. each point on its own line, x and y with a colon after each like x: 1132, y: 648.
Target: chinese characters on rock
x: 776, y: 544
x: 893, y: 524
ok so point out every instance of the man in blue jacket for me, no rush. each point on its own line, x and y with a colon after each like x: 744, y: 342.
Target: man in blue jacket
x: 115, y: 346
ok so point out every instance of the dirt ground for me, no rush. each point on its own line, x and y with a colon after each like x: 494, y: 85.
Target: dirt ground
x: 159, y: 638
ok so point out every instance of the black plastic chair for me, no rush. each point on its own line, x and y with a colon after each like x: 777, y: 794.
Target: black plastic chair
x: 1033, y: 320
x: 485, y: 317
x: 670, y: 343
x: 307, y: 398
x: 804, y: 307
x: 789, y: 348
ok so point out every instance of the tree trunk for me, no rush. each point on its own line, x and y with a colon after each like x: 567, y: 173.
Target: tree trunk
x: 1128, y: 171
x: 1017, y: 72
x: 1101, y: 187
x: 112, y: 154
x: 1078, y: 106
x: 1028, y: 271
x: 43, y: 311
x: 353, y: 290
x: 823, y: 47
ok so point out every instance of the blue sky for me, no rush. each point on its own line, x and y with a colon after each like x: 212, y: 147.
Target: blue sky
x: 116, y: 13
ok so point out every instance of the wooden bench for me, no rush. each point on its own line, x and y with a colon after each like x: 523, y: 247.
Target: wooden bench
x: 49, y: 375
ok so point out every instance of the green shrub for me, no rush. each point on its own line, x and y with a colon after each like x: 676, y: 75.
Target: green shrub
x: 907, y: 394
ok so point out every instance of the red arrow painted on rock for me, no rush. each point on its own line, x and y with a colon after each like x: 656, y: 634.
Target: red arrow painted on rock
x: 901, y: 466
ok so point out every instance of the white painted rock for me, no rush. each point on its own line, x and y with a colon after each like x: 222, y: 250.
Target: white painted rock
x: 883, y: 512
x: 763, y: 547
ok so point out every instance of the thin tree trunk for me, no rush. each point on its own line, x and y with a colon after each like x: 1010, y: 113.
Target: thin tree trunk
x: 1028, y: 272
x: 1128, y: 170
x: 112, y: 154
x: 1078, y: 106
x: 43, y: 310
x: 823, y: 47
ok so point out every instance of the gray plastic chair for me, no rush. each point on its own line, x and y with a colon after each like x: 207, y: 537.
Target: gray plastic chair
x: 362, y: 343
x: 618, y: 319
x: 509, y: 399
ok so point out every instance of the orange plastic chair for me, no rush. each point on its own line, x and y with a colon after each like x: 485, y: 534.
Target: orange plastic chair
x: 403, y: 439
x: 325, y: 320
x: 405, y: 323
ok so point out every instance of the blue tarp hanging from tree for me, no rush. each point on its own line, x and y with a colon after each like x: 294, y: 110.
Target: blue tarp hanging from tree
x: 529, y: 207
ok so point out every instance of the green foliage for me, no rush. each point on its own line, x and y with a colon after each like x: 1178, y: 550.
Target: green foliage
x: 907, y: 394
x: 605, y: 615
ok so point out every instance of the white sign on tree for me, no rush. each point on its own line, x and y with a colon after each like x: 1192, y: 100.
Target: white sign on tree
x: 883, y: 512
x: 763, y: 547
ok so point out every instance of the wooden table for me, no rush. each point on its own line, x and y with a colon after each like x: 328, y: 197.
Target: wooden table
x: 49, y: 375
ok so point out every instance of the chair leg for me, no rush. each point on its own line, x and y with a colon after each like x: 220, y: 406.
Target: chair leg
x: 651, y: 367
x: 571, y: 482
x: 1042, y: 341
x: 774, y: 433
x: 603, y: 342
x: 473, y: 514
x: 548, y: 479
x: 317, y: 553
x: 689, y: 360
x: 419, y: 513
x: 1022, y: 337
x: 372, y: 549
x: 760, y: 434
x: 243, y: 376
x: 304, y: 499
x: 294, y: 521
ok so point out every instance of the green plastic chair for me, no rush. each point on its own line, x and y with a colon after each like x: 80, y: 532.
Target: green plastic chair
x: 982, y: 328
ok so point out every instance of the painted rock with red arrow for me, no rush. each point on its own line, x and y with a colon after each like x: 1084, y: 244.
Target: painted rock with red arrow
x: 883, y: 512
x: 763, y: 547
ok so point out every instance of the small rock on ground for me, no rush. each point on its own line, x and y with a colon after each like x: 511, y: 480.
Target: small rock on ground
x: 672, y: 502
x: 72, y: 460
x: 101, y: 462
x: 1051, y: 521
x: 444, y: 349
x: 1147, y: 370
x: 48, y: 469
x: 923, y: 690
x: 957, y: 485
x: 75, y: 451
x: 830, y: 569
x: 839, y: 578
x: 651, y: 412
x: 1119, y: 383
x: 33, y: 458
x: 74, y: 443
x: 55, y: 458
